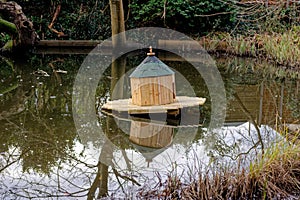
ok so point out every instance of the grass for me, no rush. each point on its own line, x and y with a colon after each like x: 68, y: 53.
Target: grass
x: 273, y: 175
x: 280, y: 48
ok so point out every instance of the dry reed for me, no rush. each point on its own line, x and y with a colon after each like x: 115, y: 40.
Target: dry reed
x: 275, y: 175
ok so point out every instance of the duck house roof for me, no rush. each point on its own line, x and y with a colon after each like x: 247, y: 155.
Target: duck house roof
x: 151, y: 67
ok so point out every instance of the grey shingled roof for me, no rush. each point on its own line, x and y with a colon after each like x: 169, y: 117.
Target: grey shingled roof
x: 151, y: 67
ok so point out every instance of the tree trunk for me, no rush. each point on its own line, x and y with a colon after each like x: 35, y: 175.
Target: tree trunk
x: 26, y: 35
x: 117, y: 22
x: 118, y: 65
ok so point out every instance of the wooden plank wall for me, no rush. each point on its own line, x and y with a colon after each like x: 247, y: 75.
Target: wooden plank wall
x: 152, y: 90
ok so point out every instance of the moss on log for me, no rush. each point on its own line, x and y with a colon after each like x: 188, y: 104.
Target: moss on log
x: 8, y: 46
x: 7, y: 27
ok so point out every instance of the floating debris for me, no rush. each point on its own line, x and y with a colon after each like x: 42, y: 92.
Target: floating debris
x: 61, y: 71
x: 40, y: 72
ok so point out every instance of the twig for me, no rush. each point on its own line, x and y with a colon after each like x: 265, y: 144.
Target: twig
x: 245, y: 110
x: 55, y: 16
x: 214, y: 14
x: 125, y: 177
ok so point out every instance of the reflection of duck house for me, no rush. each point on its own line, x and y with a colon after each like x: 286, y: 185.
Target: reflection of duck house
x: 150, y: 135
x: 153, y: 91
x: 150, y: 139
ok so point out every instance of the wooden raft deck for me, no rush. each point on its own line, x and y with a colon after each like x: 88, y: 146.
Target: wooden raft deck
x: 125, y: 105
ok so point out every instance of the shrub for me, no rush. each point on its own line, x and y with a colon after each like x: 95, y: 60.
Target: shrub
x: 190, y: 16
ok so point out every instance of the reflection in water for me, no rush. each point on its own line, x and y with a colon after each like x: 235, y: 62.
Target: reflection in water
x: 150, y: 134
x: 42, y: 157
x: 117, y: 72
x: 150, y: 137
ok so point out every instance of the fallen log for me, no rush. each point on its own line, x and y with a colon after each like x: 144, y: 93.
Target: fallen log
x: 26, y: 35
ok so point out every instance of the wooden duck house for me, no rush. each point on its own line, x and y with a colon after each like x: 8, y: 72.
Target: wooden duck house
x: 152, y: 91
x: 152, y: 82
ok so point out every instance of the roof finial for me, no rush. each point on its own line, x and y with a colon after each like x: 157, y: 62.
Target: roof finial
x: 150, y: 52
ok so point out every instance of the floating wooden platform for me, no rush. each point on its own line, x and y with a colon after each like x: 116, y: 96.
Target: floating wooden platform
x: 167, y: 123
x: 125, y: 106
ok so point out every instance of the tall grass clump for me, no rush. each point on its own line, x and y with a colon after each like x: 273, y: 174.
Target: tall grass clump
x: 278, y: 172
x: 280, y: 48
x: 273, y: 175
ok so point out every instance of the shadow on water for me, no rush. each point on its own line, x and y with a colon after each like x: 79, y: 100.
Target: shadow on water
x: 41, y: 155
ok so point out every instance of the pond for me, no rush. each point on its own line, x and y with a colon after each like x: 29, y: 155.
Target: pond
x: 43, y: 155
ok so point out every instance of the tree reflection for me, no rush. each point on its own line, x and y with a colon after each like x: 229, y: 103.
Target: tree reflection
x: 36, y: 119
x: 38, y: 137
x: 101, y: 180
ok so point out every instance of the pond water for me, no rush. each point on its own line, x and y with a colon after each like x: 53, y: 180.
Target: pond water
x: 44, y: 156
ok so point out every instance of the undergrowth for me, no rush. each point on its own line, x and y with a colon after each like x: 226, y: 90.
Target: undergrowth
x: 273, y: 175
